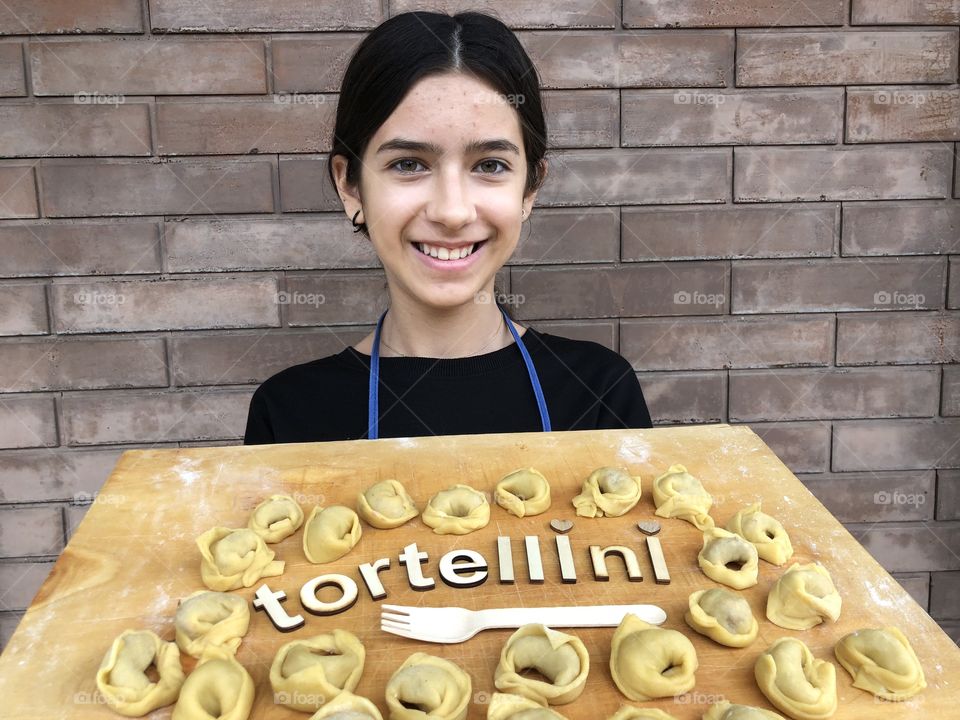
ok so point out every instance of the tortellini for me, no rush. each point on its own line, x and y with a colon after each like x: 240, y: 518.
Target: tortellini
x: 882, y: 662
x: 523, y: 492
x: 330, y: 533
x: 678, y: 494
x: 276, y: 518
x: 232, y: 559
x: 307, y: 673
x: 795, y: 682
x: 609, y: 491
x: 219, y: 688
x: 506, y: 706
x: 428, y: 686
x: 386, y: 505
x: 765, y: 532
x: 560, y: 658
x: 347, y: 706
x: 649, y: 662
x: 211, y: 618
x: 802, y: 597
x: 124, y: 684
x: 723, y: 710
x: 635, y: 713
x: 728, y: 559
x: 722, y: 616
x: 458, y: 510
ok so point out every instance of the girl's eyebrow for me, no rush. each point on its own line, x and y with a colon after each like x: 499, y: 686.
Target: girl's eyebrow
x: 472, y: 148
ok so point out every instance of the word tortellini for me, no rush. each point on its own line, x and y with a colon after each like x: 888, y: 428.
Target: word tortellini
x: 722, y: 616
x: 122, y: 679
x: 428, y: 686
x: 458, y: 510
x: 795, y: 681
x: 232, y: 559
x: 505, y: 706
x: 728, y: 559
x: 211, y: 618
x: 306, y: 673
x: 649, y: 662
x: 766, y: 534
x: 386, y: 505
x: 609, y: 491
x: 276, y: 518
x: 802, y: 597
x: 219, y: 687
x: 882, y: 662
x: 561, y: 658
x: 678, y: 494
x: 523, y: 492
x: 330, y: 533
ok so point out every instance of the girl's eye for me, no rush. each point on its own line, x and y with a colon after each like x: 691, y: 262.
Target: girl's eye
x: 406, y: 165
x: 493, y: 164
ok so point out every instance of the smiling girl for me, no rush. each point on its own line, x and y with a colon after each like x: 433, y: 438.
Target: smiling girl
x: 438, y: 153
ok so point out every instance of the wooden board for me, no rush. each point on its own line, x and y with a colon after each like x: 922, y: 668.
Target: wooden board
x: 134, y: 556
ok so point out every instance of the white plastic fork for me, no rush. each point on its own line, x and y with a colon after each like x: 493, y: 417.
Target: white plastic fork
x: 455, y: 625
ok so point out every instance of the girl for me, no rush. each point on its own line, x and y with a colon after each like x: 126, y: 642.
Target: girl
x: 438, y: 153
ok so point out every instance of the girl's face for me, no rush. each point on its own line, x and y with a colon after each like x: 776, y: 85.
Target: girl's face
x: 443, y: 177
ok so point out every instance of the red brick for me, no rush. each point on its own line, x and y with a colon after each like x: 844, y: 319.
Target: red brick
x: 21, y: 581
x: 31, y: 531
x: 18, y: 193
x: 322, y: 242
x: 181, y: 304
x: 710, y: 13
x: 813, y: 394
x: 154, y: 66
x: 603, y: 332
x: 728, y: 231
x: 60, y: 129
x: 67, y: 364
x: 568, y: 235
x: 312, y: 64
x: 27, y: 421
x: 23, y: 310
x: 919, y: 227
x: 335, y: 298
x: 275, y: 16
x: 627, y: 290
x: 951, y: 391
x: 905, y: 12
x: 875, y: 496
x: 305, y: 185
x: 12, y: 82
x: 726, y: 342
x: 944, y: 589
x: 81, y: 188
x: 764, y: 286
x: 846, y: 57
x: 896, y: 444
x: 582, y: 118
x: 896, y: 114
x: 136, y: 416
x: 681, y: 58
x: 46, y: 475
x: 281, y: 123
x: 917, y: 586
x: 900, y: 338
x: 874, y: 172
x: 247, y: 358
x: 637, y: 177
x: 685, y: 397
x: 948, y: 495
x: 72, y: 516
x: 907, y: 546
x: 731, y: 117
x: 28, y: 17
x: 527, y: 13
x: 804, y: 447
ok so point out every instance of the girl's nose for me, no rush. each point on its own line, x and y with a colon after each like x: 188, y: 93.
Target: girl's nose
x: 450, y: 203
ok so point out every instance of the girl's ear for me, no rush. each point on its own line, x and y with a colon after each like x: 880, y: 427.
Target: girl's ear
x: 530, y: 197
x: 349, y: 194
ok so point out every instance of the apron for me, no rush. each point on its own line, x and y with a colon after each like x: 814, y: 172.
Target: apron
x: 373, y: 404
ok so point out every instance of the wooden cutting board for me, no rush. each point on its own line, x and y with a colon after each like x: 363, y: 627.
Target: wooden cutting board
x: 134, y: 556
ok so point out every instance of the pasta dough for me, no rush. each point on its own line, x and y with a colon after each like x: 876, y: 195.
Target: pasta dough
x: 634, y: 713
x: 802, y: 597
x: 796, y: 682
x: 506, y: 706
x: 882, y: 662
x: 211, y: 618
x: 766, y: 534
x: 347, y: 706
x: 458, y: 510
x: 609, y: 491
x: 124, y: 684
x: 728, y: 559
x: 649, y: 662
x: 276, y: 518
x: 219, y: 688
x: 722, y: 616
x: 428, y: 686
x: 386, y: 505
x: 678, y: 494
x: 307, y: 673
x: 523, y: 492
x: 232, y: 559
x: 723, y: 710
x: 330, y: 533
x: 560, y: 658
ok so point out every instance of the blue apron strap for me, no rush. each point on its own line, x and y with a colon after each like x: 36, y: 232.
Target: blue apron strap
x: 373, y: 405
x: 531, y: 371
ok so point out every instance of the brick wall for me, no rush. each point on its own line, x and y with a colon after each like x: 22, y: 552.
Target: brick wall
x: 756, y: 203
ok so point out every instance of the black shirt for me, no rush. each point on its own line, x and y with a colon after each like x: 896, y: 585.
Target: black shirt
x: 586, y: 386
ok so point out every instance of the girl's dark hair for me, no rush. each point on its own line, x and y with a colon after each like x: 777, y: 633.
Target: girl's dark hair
x: 411, y: 46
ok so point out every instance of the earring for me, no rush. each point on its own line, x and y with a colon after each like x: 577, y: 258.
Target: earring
x: 356, y: 226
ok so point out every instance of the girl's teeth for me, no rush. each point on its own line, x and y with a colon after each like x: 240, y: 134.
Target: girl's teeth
x: 442, y: 253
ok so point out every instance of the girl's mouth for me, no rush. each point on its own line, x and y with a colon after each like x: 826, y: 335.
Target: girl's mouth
x: 441, y: 257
